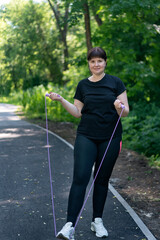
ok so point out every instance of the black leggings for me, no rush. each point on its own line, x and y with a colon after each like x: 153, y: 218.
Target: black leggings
x: 86, y: 153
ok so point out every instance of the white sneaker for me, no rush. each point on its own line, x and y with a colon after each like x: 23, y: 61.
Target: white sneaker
x: 98, y: 228
x: 67, y: 232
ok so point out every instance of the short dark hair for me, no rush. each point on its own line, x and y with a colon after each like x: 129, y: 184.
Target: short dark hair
x: 96, y: 52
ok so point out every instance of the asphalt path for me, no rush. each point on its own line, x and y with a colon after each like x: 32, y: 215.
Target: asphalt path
x: 25, y: 198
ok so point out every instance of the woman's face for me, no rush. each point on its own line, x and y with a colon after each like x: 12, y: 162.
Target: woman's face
x: 97, y: 65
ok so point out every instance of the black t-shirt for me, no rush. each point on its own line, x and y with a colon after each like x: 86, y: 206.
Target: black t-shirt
x: 99, y: 115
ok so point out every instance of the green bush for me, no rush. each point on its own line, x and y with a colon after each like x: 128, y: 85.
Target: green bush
x: 33, y: 102
x: 154, y: 160
x: 141, y: 129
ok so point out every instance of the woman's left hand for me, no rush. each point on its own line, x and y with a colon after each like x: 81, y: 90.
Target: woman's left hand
x: 120, y: 103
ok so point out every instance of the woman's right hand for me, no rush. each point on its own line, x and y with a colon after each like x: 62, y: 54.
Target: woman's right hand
x: 55, y: 97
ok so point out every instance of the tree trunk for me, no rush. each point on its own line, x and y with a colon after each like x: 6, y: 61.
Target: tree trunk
x: 87, y: 25
x: 62, y: 31
x: 96, y: 16
x: 14, y: 77
x: 64, y: 38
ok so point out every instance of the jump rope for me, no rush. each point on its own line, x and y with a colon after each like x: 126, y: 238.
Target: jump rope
x: 49, y: 164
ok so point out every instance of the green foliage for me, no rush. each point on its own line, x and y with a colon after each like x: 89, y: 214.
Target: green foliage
x: 154, y: 160
x: 130, y: 34
x: 33, y: 102
x: 75, y: 74
x: 141, y: 129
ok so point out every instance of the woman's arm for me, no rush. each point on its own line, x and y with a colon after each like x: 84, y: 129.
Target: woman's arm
x: 122, y: 99
x: 73, y: 109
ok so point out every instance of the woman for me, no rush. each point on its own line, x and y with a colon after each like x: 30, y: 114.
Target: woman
x: 98, y: 102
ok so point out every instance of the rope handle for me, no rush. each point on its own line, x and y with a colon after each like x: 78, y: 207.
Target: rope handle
x: 48, y: 95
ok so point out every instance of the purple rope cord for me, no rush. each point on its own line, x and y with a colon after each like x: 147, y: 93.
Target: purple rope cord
x: 94, y: 177
x: 49, y: 163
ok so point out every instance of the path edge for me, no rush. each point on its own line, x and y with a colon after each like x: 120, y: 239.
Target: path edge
x: 123, y: 202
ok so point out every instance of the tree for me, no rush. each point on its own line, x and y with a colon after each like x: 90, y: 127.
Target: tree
x: 62, y: 24
x: 87, y: 24
x: 95, y: 5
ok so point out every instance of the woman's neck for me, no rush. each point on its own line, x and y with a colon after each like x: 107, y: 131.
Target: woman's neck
x: 96, y: 78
